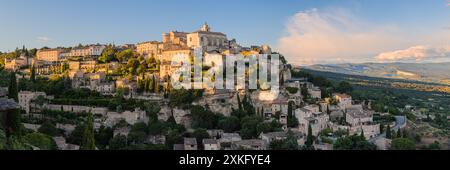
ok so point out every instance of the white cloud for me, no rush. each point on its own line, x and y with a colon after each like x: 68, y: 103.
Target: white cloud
x: 332, y: 37
x: 43, y: 39
x: 416, y: 53
x: 337, y: 36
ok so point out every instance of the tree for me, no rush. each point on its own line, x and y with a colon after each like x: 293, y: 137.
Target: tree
x: 33, y: 73
x: 48, y: 128
x: 353, y: 142
x: 290, y: 143
x: 239, y: 102
x: 12, y: 89
x: 202, y: 118
x: 88, y: 137
x: 249, y: 126
x: 156, y: 127
x: 292, y: 121
x: 76, y: 137
x: 229, y: 124
x: 403, y: 144
x: 151, y: 87
x: 344, y: 87
x: 200, y: 134
x: 104, y: 135
x: 173, y: 137
x: 309, y: 138
x: 42, y: 141
x: 305, y: 92
x: 118, y: 142
x: 434, y: 146
x: 263, y: 127
x: 138, y: 133
x: 108, y: 55
x: 388, y: 132
x: 399, y: 133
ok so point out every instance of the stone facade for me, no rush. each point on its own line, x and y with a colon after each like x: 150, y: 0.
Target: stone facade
x: 49, y: 54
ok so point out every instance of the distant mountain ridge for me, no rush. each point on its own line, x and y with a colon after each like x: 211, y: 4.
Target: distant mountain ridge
x: 425, y: 72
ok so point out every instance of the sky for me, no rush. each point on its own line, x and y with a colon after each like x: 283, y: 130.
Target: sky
x: 305, y: 31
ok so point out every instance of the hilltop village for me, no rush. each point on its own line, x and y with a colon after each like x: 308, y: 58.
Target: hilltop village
x: 105, y: 96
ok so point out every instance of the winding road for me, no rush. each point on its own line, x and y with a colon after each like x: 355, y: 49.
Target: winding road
x: 400, y: 122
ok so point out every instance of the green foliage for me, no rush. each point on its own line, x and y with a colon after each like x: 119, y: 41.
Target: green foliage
x: 42, y: 141
x: 403, y: 144
x: 103, y: 136
x: 157, y: 127
x: 12, y: 88
x: 88, y: 142
x: 249, y: 126
x: 388, y: 132
x: 353, y: 142
x: 305, y: 92
x: 33, y: 74
x: 125, y: 55
x: 76, y: 137
x: 202, y: 118
x: 229, y: 124
x: 309, y: 138
x: 290, y: 143
x: 292, y: 121
x: 118, y: 142
x: 344, y: 87
x: 48, y: 128
x: 138, y: 133
x: 108, y: 55
x: 2, y: 140
x: 173, y: 136
x: 200, y: 134
x: 434, y: 146
x: 183, y: 97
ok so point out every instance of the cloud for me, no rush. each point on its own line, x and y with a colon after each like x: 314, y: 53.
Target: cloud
x: 416, y: 53
x: 338, y: 36
x: 43, y: 39
x: 334, y: 36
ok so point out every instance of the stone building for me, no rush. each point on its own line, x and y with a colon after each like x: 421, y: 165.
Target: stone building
x: 166, y: 67
x: 50, y: 54
x: 25, y: 98
x: 87, y: 51
x: 190, y: 144
x: 149, y: 48
x: 250, y: 144
x: 344, y: 100
x: 211, y: 144
x: 207, y: 39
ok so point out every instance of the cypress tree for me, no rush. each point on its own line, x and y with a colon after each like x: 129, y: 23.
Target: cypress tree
x: 151, y: 87
x: 290, y: 109
x: 239, y: 102
x: 33, y: 73
x: 399, y: 133
x: 146, y: 85
x: 309, y: 137
x: 156, y: 85
x: 88, y: 137
x: 12, y: 89
x: 388, y: 132
x: 12, y: 119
